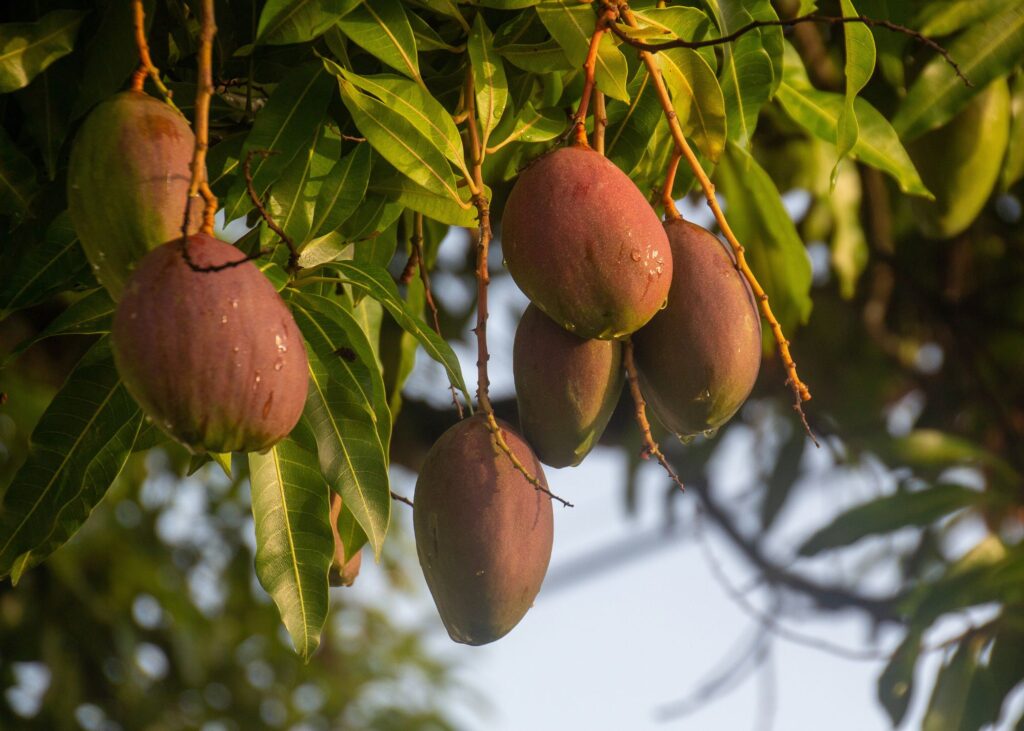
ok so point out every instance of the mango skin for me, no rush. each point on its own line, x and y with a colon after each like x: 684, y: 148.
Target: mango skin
x: 566, y: 387
x: 215, y: 359
x: 128, y: 180
x: 698, y: 359
x: 483, y: 532
x: 960, y: 163
x: 583, y: 244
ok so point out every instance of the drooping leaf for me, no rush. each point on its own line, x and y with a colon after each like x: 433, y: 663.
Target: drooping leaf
x: 773, y: 248
x: 47, y: 109
x: 294, y: 542
x: 17, y: 177
x: 572, y: 25
x: 396, y: 187
x: 399, y: 142
x: 896, y: 683
x: 945, y: 18
x: 489, y: 82
x: 379, y: 285
x: 50, y: 266
x: 77, y: 449
x: 985, y: 51
x: 298, y: 21
x: 382, y: 28
x: 26, y: 49
x: 948, y: 706
x: 342, y: 191
x: 343, y: 415
x: 286, y: 125
x: 860, y: 64
x: 890, y: 513
x: 696, y: 98
x: 91, y: 315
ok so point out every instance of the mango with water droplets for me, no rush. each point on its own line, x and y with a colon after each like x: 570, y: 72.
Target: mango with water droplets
x: 566, y: 388
x: 214, y: 358
x: 483, y: 532
x: 698, y: 359
x: 128, y: 180
x: 960, y: 163
x: 583, y: 244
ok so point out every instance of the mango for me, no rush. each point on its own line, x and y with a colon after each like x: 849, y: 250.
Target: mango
x: 483, y: 532
x: 583, y: 244
x: 128, y: 180
x: 566, y: 388
x: 215, y: 359
x: 698, y: 359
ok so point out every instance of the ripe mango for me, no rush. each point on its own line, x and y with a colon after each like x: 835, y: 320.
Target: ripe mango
x: 583, y: 244
x: 128, y: 180
x: 698, y: 358
x: 215, y: 359
x: 960, y: 163
x: 566, y: 388
x: 483, y: 532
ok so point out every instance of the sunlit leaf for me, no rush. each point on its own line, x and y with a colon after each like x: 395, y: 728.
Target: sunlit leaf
x: 26, y: 49
x: 294, y: 542
x: 298, y: 21
x: 489, y: 83
x: 985, y: 51
x: 572, y: 25
x: 382, y: 28
x: 696, y: 97
x: 860, y: 64
x: 342, y: 191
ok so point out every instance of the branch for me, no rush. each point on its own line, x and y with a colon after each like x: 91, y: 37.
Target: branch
x: 651, y: 447
x: 604, y: 20
x: 800, y: 391
x: 812, y: 18
x: 401, y: 499
x: 146, y: 67
x: 204, y: 91
x: 293, y: 253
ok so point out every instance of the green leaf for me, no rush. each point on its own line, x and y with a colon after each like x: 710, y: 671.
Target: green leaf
x: 294, y: 194
x: 340, y: 409
x: 399, y: 142
x: 428, y: 39
x: 538, y: 58
x: 77, y: 449
x: 379, y: 285
x: 860, y: 64
x: 985, y: 52
x: 877, y: 144
x: 631, y: 130
x: 890, y: 513
x: 298, y: 21
x: 47, y: 109
x: 896, y: 683
x: 36, y: 274
x: 489, y: 83
x: 398, y: 188
x: 323, y: 249
x: 382, y: 28
x: 762, y: 224
x: 91, y: 315
x: 682, y: 22
x: 747, y: 74
x: 286, y: 125
x: 535, y: 125
x: 416, y: 106
x: 294, y: 542
x: 1013, y: 168
x: 17, y: 177
x: 26, y: 49
x: 948, y: 704
x: 342, y: 191
x: 945, y: 18
x: 352, y: 535
x: 572, y: 25
x: 696, y: 98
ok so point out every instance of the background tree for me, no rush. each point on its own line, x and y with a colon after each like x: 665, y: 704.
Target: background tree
x: 387, y: 124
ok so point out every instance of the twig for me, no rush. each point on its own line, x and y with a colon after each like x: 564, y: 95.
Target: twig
x: 401, y: 498
x: 600, y: 121
x: 800, y: 391
x: 204, y: 92
x: 146, y: 67
x: 293, y: 253
x: 651, y: 447
x: 416, y: 242
x: 604, y: 20
x: 667, y: 200
x: 483, y: 278
x: 812, y: 18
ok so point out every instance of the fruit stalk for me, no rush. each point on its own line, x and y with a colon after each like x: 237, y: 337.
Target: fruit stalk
x: 604, y: 20
x: 204, y: 92
x: 800, y: 391
x: 146, y: 67
x: 651, y: 447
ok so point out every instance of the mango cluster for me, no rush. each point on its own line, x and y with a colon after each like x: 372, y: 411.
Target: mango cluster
x: 582, y: 242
